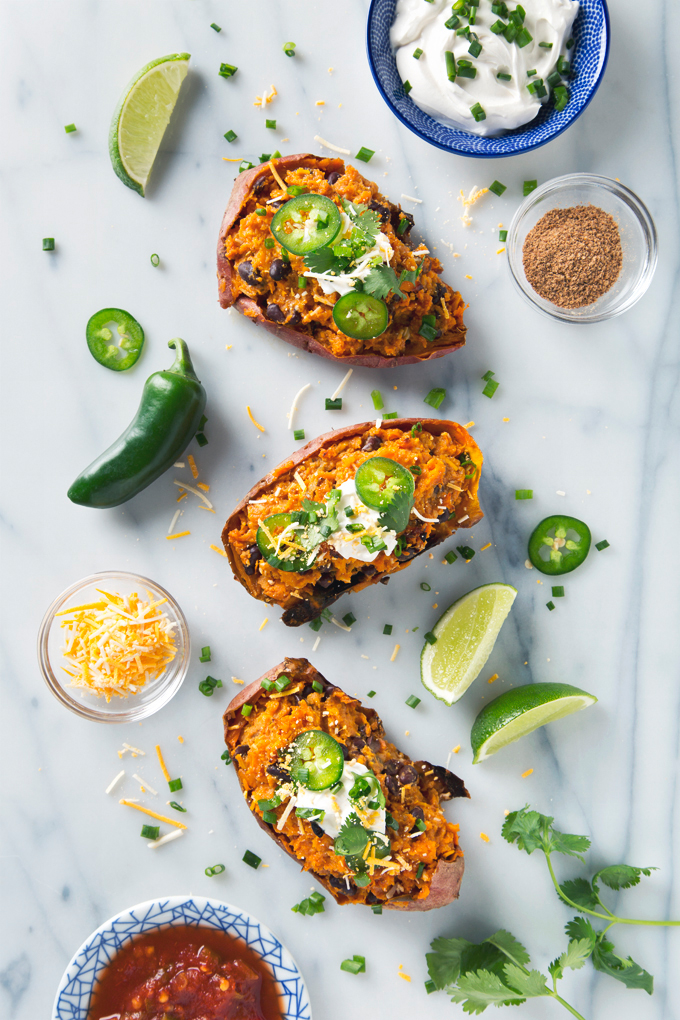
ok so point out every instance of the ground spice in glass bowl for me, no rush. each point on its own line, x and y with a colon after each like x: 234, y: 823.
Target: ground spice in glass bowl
x: 582, y: 248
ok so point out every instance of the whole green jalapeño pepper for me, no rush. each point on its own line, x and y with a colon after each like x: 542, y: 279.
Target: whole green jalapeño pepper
x: 171, y: 407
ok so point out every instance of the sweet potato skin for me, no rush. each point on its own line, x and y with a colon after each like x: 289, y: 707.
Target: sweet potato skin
x: 469, y: 505
x: 242, y: 190
x: 448, y: 875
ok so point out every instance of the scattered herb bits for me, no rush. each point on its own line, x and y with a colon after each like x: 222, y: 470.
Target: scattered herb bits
x: 201, y: 439
x: 558, y: 591
x: 550, y: 605
x: 387, y: 629
x: 371, y: 694
x: 365, y: 155
x: 357, y: 965
x: 451, y: 69
x: 155, y: 260
x: 215, y: 28
x: 316, y: 624
x: 477, y: 111
x: 502, y: 76
x: 498, y: 188
x: 376, y: 908
x: 230, y: 135
x: 465, y: 551
x: 376, y: 397
x: 435, y: 397
x: 70, y: 128
x: 289, y: 49
x: 177, y: 807
x: 419, y: 871
x: 208, y: 686
x: 524, y: 493
x: 48, y: 244
x: 225, y: 757
x: 348, y: 619
x: 317, y: 686
x: 299, y: 434
x: 246, y: 710
x: 216, y: 869
x: 430, y: 987
x: 205, y: 654
x: 391, y: 414
x: 150, y: 831
x: 271, y: 124
x: 425, y: 586
x: 429, y: 636
x: 417, y: 53
x: 407, y: 86
x: 333, y: 405
x: 412, y: 701
x: 490, y: 388
x: 604, y: 544
x: 227, y: 70
x: 251, y: 859
x: 528, y: 187
x: 314, y: 904
x: 450, y: 556
x: 174, y: 785
x: 502, y: 235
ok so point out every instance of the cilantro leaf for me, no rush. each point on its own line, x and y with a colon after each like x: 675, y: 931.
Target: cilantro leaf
x: 621, y: 876
x: 577, y: 952
x: 626, y: 971
x: 381, y: 281
x: 369, y: 222
x: 477, y: 990
x: 324, y: 260
x: 566, y: 843
x: 509, y: 945
x: 580, y: 928
x: 529, y: 985
x: 527, y: 828
x: 396, y: 516
x: 580, y: 892
x: 444, y: 964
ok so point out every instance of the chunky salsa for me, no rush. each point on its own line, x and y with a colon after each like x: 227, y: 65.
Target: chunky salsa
x: 186, y: 973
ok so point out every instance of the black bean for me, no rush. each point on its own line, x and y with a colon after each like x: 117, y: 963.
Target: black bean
x: 369, y: 570
x: 417, y: 812
x: 254, y: 555
x: 384, y: 580
x: 279, y: 269
x: 444, y: 516
x: 439, y: 293
x: 278, y: 772
x: 333, y: 177
x: 242, y: 750
x: 371, y: 444
x: 396, y: 217
x: 337, y: 883
x: 274, y: 313
x: 374, y: 744
x: 392, y: 784
x: 325, y: 581
x: 317, y: 830
x: 248, y: 274
x: 357, y: 744
x: 382, y: 210
x: 345, y: 753
x: 407, y: 775
x: 260, y: 184
x: 371, y: 898
x: 295, y: 319
x: 392, y: 766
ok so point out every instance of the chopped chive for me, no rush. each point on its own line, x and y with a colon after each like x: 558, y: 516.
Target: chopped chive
x: 269, y: 242
x: 502, y: 235
x: 498, y: 27
x: 269, y: 817
x: 216, y: 28
x: 376, y: 397
x: 302, y: 282
x: 537, y: 88
x: 465, y: 551
x: 550, y: 605
x: 419, y: 871
x: 390, y: 414
x: 498, y: 188
x: 557, y: 591
x: 563, y: 66
x: 435, y: 397
x: 150, y: 831
x: 298, y: 434
x: 503, y: 76
x: 420, y: 825
x: 216, y: 869
x: 431, y: 320
x: 205, y: 654
x: 371, y: 694
x: 267, y: 685
x: 450, y: 556
x: 430, y: 987
x: 477, y: 112
x: 570, y: 43
x: 402, y: 226
x: 155, y: 260
x: 201, y: 439
x: 348, y: 619
x: 407, y: 86
x: 295, y: 190
x: 561, y: 99
x: 450, y: 65
x: 48, y: 244
x: 376, y: 908
x: 417, y: 53
x: 511, y: 32
x: 604, y: 544
x: 246, y: 710
x: 177, y: 807
x: 490, y: 388
x: 430, y: 638
x: 453, y: 22
x: 554, y: 79
x: 230, y: 135
x: 546, y: 45
x: 524, y: 493
x: 251, y: 859
x: 334, y: 405
x: 208, y: 686
x: 227, y: 70
x: 225, y: 757
x: 387, y: 629
x: 488, y: 375
x: 270, y: 124
x: 245, y: 164
x: 269, y: 805
x: 528, y: 187
x: 261, y: 212
x: 289, y: 49
x: 175, y: 785
x: 427, y: 332
x: 425, y: 586
x: 316, y: 686
x: 531, y: 73
x: 282, y: 682
x: 412, y: 701
x: 365, y: 155
x: 472, y: 17
x: 466, y: 72
x: 523, y: 38
x: 69, y: 128
x: 202, y: 423
x: 357, y: 965
x: 316, y: 624
x: 475, y: 48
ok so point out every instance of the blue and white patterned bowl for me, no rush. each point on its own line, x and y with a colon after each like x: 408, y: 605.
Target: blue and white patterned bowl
x: 75, y: 989
x: 591, y: 35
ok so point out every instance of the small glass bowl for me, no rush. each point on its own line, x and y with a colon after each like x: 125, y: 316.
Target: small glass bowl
x: 154, y: 695
x: 638, y: 241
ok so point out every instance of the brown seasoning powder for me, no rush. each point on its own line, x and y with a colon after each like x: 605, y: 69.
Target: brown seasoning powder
x: 573, y: 256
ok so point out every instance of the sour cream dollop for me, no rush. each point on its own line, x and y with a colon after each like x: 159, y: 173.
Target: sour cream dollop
x: 348, y: 544
x: 507, y: 104
x: 337, y: 807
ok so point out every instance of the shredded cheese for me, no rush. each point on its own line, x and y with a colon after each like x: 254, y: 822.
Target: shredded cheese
x: 178, y: 534
x: 456, y: 749
x: 275, y: 175
x: 293, y: 406
x: 255, y: 423
x: 485, y: 547
x: 468, y: 425
x: 316, y: 643
x: 168, y: 838
x: 153, y: 814
x: 395, y: 652
x: 192, y: 465
x: 135, y: 750
x: 410, y: 198
x: 475, y: 194
x: 266, y: 97
x: 202, y: 485
x: 196, y: 492
x: 342, y: 384
x: 329, y: 145
x: 174, y: 521
x: 492, y: 678
x: 161, y: 762
x: 117, y: 645
x: 527, y: 773
x: 216, y: 548
x: 264, y: 622
x: 179, y: 464
x: 284, y: 817
x: 342, y: 626
x: 115, y: 781
x: 298, y: 478
x: 426, y: 520
x: 144, y: 785
x: 181, y: 496
x: 484, y: 836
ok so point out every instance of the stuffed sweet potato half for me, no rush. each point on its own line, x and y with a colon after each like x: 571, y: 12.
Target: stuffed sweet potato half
x: 321, y: 779
x: 325, y: 262
x: 351, y: 508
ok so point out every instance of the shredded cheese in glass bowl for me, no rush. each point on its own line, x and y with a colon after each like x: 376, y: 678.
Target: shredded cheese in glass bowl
x: 114, y: 647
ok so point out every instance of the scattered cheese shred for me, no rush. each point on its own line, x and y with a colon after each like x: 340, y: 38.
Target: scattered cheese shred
x: 153, y: 814
x: 117, y: 645
x: 181, y: 740
x: 135, y: 750
x: 468, y: 425
x: 182, y: 495
x: 255, y: 423
x: 266, y: 97
x: 410, y: 198
x: 168, y: 838
x: 236, y: 680
x: 174, y: 521
x: 492, y: 678
x: 179, y: 464
x: 317, y: 642
x: 484, y: 836
x: 342, y: 626
x: 475, y: 194
x: 500, y: 251
x: 298, y: 478
x: 202, y: 485
x: 395, y: 652
x: 161, y: 762
x: 264, y: 623
x: 284, y: 817
x: 279, y: 180
x: 196, y: 492
x: 485, y: 547
x: 320, y: 102
x: 144, y: 785
x: 456, y: 749
x: 427, y: 520
x: 293, y: 406
x: 216, y: 548
x: 404, y: 976
x: 178, y: 534
x: 192, y: 465
x: 342, y: 384
x: 527, y: 773
x: 329, y: 145
x: 115, y: 781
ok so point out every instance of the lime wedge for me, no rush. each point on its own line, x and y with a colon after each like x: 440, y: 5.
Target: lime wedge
x: 520, y: 711
x: 465, y: 635
x: 142, y: 116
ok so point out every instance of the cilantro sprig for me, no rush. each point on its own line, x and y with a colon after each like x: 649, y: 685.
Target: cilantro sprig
x: 495, y: 971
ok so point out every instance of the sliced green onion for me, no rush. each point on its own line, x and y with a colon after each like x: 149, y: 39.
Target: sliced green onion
x: 246, y: 710
x: 302, y: 282
x: 251, y: 859
x: 376, y: 908
x: 430, y: 638
x: 316, y: 624
x: 466, y: 72
x: 412, y: 701
x: 402, y: 226
x: 364, y: 154
x: 472, y: 17
x: 215, y: 27
x: 177, y: 807
x: 570, y: 43
x: 523, y: 38
x: 477, y: 112
x: 465, y: 551
x: 417, y: 53
x: 175, y: 784
x: 503, y: 76
x: 528, y: 187
x: 269, y: 242
x: 69, y: 128
x: 420, y: 825
x: 557, y: 591
x: 502, y: 235
x: 498, y: 188
x: 225, y: 757
x: 269, y: 817
x: 450, y: 65
x: 407, y: 86
x: 295, y: 190
x: 419, y: 871
x: 316, y: 686
x: 554, y: 79
x: 348, y: 619
x: 230, y: 135
x: 524, y: 493
x: 418, y: 427
x: 245, y: 164
x: 357, y: 965
x: 390, y: 414
x: 435, y: 397
x: 387, y: 629
x: 376, y: 397
x: 450, y: 556
x: 546, y: 45
x: 490, y: 388
x: 475, y: 48
x: 298, y: 434
x: 208, y: 686
x: 604, y: 544
x: 500, y: 8
x: 498, y: 27
x: 150, y: 831
x: 425, y: 586
x: 48, y: 244
x: 205, y: 654
x: 487, y: 375
x: 563, y: 66
x: 201, y: 439
x: 202, y: 423
x: 430, y: 987
x: 269, y: 805
x: 371, y: 694
x: 155, y: 260
x: 282, y: 682
x: 267, y: 685
x: 289, y: 49
x: 427, y: 332
x: 431, y: 320
x: 511, y: 32
x: 561, y: 99
x: 334, y: 405
x: 550, y: 605
x: 537, y: 88
x: 216, y: 869
x: 227, y: 70
x: 270, y: 124
x: 453, y: 22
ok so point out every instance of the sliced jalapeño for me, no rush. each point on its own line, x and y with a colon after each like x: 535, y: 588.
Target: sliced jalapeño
x: 360, y: 316
x: 316, y: 760
x: 277, y: 541
x: 559, y: 544
x: 306, y: 223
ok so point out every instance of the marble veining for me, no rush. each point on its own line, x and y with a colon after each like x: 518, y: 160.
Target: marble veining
x: 593, y: 413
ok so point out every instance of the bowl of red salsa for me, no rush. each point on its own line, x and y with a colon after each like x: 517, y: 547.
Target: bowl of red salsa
x: 201, y: 957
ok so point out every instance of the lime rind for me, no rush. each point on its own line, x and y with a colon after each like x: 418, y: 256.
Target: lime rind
x: 466, y: 634
x: 141, y: 117
x: 520, y: 711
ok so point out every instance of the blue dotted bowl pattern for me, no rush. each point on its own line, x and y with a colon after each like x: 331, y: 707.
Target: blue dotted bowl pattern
x: 591, y: 35
x: 73, y: 997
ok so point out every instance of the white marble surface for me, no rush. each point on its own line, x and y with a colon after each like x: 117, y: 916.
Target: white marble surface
x: 593, y: 412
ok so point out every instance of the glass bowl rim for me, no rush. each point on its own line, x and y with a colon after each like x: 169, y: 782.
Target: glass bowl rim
x: 168, y: 688
x: 624, y: 195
